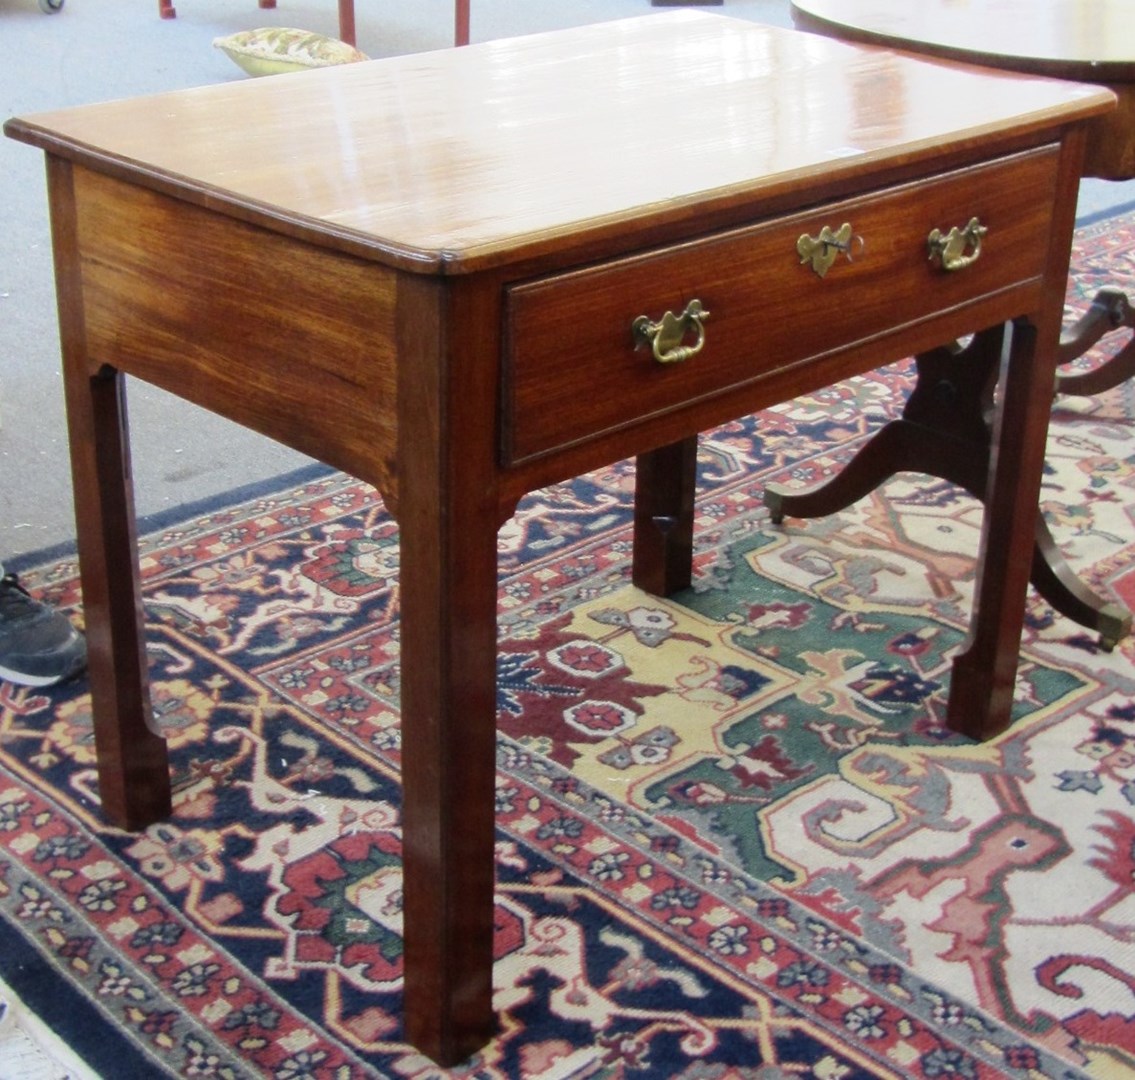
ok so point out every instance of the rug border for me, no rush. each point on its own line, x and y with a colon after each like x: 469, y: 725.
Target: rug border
x: 23, y: 967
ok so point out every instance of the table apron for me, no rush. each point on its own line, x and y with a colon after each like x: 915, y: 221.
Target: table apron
x: 289, y: 339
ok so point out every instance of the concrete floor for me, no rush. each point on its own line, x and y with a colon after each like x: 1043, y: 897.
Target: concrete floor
x: 100, y: 49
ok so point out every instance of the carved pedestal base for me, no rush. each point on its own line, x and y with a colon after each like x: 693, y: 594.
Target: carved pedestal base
x: 945, y: 432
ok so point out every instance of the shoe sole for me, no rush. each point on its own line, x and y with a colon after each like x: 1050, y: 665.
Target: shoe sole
x: 21, y: 678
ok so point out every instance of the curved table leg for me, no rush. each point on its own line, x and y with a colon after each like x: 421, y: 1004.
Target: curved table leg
x: 944, y: 431
x: 1109, y: 311
x: 899, y: 446
x: 1053, y: 578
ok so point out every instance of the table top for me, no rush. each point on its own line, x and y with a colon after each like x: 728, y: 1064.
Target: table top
x: 457, y: 160
x: 1074, y: 39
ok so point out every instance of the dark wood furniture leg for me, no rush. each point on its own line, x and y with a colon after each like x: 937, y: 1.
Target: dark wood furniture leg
x: 1109, y: 311
x: 984, y: 672
x: 665, y: 481
x: 133, y: 767
x: 448, y: 534
x: 461, y: 22
x: 347, y: 21
x: 945, y: 431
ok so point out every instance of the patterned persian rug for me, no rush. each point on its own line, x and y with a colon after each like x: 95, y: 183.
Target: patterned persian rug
x: 735, y: 842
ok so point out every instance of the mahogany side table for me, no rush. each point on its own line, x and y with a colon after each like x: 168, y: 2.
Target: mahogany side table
x: 427, y: 257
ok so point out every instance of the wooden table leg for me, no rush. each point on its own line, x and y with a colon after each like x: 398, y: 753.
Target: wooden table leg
x: 133, y: 768
x: 347, y: 21
x: 461, y: 22
x: 943, y: 432
x: 665, y: 481
x: 448, y: 573
x: 1109, y: 311
x: 984, y: 673
x: 166, y: 10
x: 448, y: 661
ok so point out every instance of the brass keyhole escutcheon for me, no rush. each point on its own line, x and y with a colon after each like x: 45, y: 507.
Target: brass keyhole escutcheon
x: 666, y: 336
x: 823, y: 250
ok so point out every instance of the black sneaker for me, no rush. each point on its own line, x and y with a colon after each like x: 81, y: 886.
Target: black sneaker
x: 38, y: 646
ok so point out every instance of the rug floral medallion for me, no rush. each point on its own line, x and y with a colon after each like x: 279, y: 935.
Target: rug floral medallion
x: 735, y: 839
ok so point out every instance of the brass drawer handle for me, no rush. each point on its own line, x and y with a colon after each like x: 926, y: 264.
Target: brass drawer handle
x: 950, y: 250
x: 665, y: 336
x: 821, y: 251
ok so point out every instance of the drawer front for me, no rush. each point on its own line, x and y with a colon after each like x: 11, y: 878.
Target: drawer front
x: 572, y: 369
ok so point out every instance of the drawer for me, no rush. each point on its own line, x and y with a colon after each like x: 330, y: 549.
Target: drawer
x: 573, y: 370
